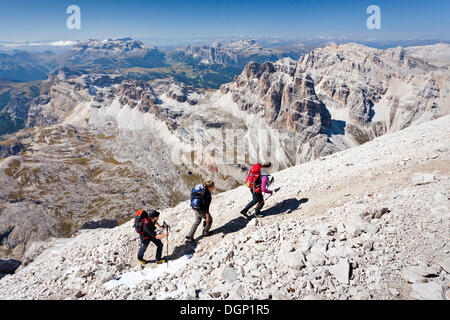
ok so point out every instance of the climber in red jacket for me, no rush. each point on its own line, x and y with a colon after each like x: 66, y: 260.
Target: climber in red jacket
x: 257, y: 181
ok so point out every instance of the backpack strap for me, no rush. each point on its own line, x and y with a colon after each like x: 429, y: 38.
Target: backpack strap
x: 141, y: 227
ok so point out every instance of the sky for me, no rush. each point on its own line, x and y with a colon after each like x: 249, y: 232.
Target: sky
x: 32, y: 20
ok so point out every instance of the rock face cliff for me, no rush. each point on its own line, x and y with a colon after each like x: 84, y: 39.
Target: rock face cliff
x: 239, y: 53
x: 370, y: 222
x: 346, y: 94
x: 113, y: 53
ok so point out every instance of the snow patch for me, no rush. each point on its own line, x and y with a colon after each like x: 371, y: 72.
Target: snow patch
x: 132, y: 279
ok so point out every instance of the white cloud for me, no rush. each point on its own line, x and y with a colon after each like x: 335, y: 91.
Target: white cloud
x: 62, y: 43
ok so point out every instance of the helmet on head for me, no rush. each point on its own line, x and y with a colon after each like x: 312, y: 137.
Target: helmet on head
x: 153, y: 213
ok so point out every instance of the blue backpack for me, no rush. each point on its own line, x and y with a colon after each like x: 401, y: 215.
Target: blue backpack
x: 197, y: 196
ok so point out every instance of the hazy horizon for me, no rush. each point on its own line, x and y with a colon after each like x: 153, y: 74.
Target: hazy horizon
x: 28, y: 20
x: 167, y: 44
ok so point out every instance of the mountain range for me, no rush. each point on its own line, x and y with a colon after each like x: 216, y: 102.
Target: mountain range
x: 106, y: 134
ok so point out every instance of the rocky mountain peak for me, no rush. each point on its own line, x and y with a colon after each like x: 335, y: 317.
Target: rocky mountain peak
x: 124, y: 44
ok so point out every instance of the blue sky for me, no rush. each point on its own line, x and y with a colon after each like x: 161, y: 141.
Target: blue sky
x: 46, y: 19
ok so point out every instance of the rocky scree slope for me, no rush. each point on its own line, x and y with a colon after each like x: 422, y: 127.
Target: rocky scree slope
x: 371, y: 222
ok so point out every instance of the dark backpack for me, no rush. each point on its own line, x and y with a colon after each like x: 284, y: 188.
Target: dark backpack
x: 138, y: 219
x: 197, y: 195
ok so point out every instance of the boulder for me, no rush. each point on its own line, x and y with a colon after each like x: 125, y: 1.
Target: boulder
x: 325, y: 230
x: 362, y: 295
x: 294, y: 260
x: 341, y: 271
x: 316, y: 259
x: 366, y: 216
x: 418, y: 273
x: 422, y: 178
x: 379, y: 213
x: 104, y: 276
x: 368, y: 245
x: 445, y: 263
x: 353, y: 230
x: 427, y: 291
x: 230, y: 274
x: 215, y: 295
x: 320, y: 246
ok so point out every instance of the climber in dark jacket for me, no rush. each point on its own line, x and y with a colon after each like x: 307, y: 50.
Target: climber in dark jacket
x: 147, y: 232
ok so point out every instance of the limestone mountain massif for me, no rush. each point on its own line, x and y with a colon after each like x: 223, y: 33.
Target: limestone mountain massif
x: 113, y: 53
x: 240, y: 53
x: 342, y: 95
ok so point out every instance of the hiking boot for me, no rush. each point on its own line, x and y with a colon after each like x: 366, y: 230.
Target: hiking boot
x: 206, y: 234
x: 244, y: 213
x: 143, y: 261
x: 164, y: 260
x: 190, y: 239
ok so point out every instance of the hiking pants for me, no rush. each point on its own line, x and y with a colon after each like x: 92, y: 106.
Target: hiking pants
x: 257, y: 198
x: 144, y: 245
x: 199, y: 215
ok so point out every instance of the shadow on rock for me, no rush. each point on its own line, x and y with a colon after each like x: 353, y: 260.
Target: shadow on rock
x: 231, y: 226
x: 184, y: 249
x: 284, y: 207
x: 8, y: 266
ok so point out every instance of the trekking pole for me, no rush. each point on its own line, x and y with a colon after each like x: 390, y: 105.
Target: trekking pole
x: 167, y: 251
x: 264, y: 200
x: 166, y: 226
x: 260, y: 204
